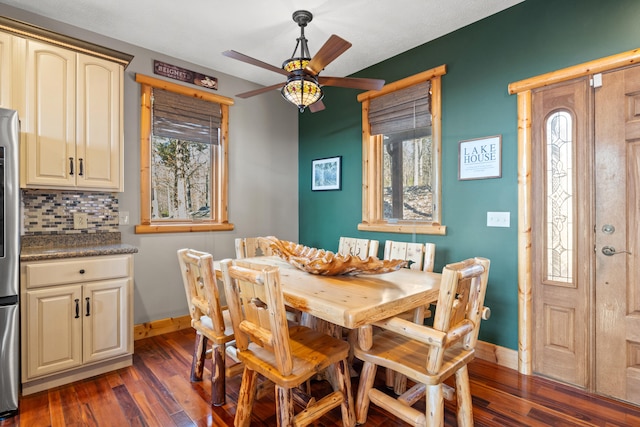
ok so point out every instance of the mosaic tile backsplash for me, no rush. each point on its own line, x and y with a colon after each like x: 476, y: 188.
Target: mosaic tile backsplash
x: 51, y: 212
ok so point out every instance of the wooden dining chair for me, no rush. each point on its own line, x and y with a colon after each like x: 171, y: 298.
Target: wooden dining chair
x: 421, y: 257
x: 363, y: 248
x: 247, y: 247
x: 211, y: 321
x: 287, y: 356
x: 429, y: 355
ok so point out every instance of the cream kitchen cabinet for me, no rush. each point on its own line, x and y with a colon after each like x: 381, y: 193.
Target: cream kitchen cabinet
x: 77, y: 319
x: 6, y: 70
x: 71, y: 120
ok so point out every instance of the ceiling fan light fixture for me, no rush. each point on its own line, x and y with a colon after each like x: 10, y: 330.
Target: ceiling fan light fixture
x: 295, y: 64
x: 302, y: 87
x: 302, y: 90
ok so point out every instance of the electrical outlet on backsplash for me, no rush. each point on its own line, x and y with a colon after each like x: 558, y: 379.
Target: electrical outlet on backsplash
x: 52, y: 211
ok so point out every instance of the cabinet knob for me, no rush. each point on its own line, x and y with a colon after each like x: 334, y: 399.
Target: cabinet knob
x: 81, y: 271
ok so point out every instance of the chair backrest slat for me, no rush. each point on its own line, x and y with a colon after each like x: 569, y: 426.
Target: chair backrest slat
x: 362, y: 248
x: 429, y: 256
x: 257, y: 309
x: 421, y: 255
x: 408, y: 251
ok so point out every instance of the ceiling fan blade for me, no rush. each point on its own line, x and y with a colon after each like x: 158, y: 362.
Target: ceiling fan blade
x: 316, y: 106
x: 249, y: 60
x: 352, y: 82
x: 259, y: 91
x: 329, y: 51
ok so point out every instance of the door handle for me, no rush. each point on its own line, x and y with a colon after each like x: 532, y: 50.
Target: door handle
x: 611, y: 251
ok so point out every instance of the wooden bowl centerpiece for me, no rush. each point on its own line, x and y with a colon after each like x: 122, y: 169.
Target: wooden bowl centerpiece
x: 327, y: 263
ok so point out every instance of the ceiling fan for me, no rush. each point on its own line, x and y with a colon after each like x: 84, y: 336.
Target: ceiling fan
x: 303, y: 84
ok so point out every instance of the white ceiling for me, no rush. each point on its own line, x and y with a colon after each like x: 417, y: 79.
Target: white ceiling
x: 198, y: 31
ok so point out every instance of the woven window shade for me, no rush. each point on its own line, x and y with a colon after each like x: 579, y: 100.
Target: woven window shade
x: 401, y: 110
x: 186, y: 118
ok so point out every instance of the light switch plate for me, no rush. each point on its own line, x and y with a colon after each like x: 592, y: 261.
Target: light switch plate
x: 498, y: 219
x: 123, y: 218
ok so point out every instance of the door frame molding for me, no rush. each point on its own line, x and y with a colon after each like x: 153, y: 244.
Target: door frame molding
x: 523, y: 90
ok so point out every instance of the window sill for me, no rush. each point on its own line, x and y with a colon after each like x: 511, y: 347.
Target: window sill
x: 407, y: 228
x: 182, y: 228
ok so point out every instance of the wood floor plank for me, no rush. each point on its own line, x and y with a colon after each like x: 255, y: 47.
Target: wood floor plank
x: 164, y: 396
x: 130, y: 408
x: 195, y: 408
x: 154, y: 417
x: 71, y: 406
x: 156, y: 391
x: 154, y: 411
x: 34, y: 411
x: 518, y: 410
x: 100, y: 403
x: 55, y: 409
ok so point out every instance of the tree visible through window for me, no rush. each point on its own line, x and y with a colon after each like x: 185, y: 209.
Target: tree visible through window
x: 181, y: 175
x: 183, y: 158
x: 407, y: 167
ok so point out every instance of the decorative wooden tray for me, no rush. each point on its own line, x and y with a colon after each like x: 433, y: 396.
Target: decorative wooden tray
x: 326, y: 263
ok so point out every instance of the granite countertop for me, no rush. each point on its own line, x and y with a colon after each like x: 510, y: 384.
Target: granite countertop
x: 45, y: 247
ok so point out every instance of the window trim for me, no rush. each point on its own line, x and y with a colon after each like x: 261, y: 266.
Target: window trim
x: 372, y: 215
x: 222, y: 179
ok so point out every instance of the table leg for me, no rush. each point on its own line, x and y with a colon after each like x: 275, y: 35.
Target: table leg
x: 365, y: 337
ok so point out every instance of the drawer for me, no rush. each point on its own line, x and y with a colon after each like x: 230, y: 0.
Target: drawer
x: 86, y: 269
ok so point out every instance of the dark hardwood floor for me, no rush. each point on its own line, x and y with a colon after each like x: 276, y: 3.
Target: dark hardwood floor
x: 156, y: 391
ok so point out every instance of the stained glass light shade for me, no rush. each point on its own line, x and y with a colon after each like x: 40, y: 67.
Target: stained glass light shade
x: 300, y: 89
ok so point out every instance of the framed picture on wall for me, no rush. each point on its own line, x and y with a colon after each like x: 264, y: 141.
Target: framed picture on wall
x: 326, y: 174
x: 480, y: 158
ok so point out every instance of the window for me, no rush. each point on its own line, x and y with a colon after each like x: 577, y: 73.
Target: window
x: 401, y: 139
x: 560, y: 189
x: 183, y: 159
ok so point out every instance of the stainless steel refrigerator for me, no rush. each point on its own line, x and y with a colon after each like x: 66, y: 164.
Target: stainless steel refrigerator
x: 9, y: 263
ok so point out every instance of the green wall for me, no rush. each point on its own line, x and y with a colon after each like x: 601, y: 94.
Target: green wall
x: 531, y: 38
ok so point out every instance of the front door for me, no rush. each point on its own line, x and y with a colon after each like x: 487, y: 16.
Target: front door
x: 586, y: 278
x: 617, y: 235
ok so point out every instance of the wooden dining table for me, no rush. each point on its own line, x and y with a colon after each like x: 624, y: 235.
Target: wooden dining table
x: 352, y: 301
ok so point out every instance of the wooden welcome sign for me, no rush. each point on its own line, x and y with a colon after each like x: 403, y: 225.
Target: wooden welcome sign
x: 184, y: 75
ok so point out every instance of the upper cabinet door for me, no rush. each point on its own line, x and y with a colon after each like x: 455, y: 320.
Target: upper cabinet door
x: 50, y: 116
x: 72, y: 121
x: 6, y: 70
x: 99, y: 124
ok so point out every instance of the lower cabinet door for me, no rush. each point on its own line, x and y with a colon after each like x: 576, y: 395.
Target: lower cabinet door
x: 54, y: 331
x: 105, y: 317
